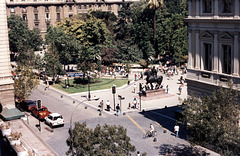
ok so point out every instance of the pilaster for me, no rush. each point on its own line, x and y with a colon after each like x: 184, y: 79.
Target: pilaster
x: 215, y: 52
x: 189, y: 48
x: 197, y: 59
x: 216, y: 9
x: 236, y: 55
x: 236, y: 9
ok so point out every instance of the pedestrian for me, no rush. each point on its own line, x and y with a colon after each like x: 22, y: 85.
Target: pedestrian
x: 108, y: 105
x: 135, y: 77
x: 135, y: 103
x: 129, y: 105
x: 180, y: 89
x: 101, y: 105
x: 167, y: 88
x: 138, y: 153
x: 47, y: 83
x: 134, y: 87
x: 176, y: 130
x: 118, y: 109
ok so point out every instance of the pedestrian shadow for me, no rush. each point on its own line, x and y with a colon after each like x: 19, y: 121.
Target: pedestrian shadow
x: 181, y: 150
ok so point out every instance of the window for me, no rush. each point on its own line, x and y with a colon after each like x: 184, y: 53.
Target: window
x: 47, y: 15
x: 36, y: 17
x: 70, y: 7
x: 207, y: 47
x: 35, y: 9
x: 227, y: 59
x: 48, y: 25
x: 57, y: 8
x: 70, y: 15
x: 99, y: 6
x: 36, y: 25
x: 109, y: 7
x: 90, y: 5
x: 46, y: 8
x: 58, y: 16
x: 79, y: 7
x: 85, y: 6
x: 227, y: 4
x: 24, y: 9
x: 12, y: 10
x: 207, y: 6
x: 24, y: 16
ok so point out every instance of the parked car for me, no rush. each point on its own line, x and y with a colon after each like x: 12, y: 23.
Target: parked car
x: 54, y: 119
x: 26, y: 105
x: 40, y: 113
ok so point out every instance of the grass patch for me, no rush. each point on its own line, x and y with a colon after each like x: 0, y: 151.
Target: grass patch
x: 96, y: 84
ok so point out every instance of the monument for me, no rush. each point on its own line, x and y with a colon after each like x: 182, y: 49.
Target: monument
x: 8, y: 111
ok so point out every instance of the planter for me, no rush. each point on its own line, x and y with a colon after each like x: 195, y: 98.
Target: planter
x: 14, y: 142
x: 20, y: 150
x: 6, y: 132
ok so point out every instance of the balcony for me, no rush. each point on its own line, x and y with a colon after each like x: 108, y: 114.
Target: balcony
x: 24, y: 10
x: 36, y: 20
x: 35, y: 10
x: 46, y: 9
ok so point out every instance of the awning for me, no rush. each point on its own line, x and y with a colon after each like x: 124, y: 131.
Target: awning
x: 11, y: 113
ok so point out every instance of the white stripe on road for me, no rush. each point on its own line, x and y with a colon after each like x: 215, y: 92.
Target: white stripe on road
x: 164, y: 116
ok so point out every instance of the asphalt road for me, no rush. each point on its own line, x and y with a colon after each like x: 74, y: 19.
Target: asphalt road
x: 136, y: 123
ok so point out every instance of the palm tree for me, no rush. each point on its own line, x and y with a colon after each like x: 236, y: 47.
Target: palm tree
x: 154, y: 5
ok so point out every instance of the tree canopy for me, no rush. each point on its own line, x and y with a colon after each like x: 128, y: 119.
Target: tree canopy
x: 103, y: 140
x: 213, y: 120
x: 23, y: 41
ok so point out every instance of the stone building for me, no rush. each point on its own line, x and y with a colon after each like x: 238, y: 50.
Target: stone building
x: 213, y: 31
x: 42, y: 13
x: 8, y: 110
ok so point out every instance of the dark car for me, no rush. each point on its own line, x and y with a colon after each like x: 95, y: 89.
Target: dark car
x: 40, y: 113
x: 26, y: 105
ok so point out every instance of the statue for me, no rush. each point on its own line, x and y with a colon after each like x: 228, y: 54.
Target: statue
x: 153, y: 78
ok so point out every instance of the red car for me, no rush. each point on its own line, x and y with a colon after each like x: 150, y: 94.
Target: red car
x: 40, y: 113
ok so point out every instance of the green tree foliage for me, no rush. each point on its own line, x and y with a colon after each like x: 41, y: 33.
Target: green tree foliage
x: 214, y: 120
x: 103, y: 140
x: 23, y: 41
x: 93, y: 36
x: 24, y: 82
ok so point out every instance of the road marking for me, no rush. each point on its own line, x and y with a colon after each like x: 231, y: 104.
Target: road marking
x: 164, y: 116
x: 137, y: 124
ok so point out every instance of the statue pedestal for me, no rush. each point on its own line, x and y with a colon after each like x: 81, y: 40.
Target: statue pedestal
x: 157, y: 92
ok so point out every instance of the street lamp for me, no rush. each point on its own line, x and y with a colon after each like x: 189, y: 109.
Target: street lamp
x: 71, y: 130
x: 89, y: 95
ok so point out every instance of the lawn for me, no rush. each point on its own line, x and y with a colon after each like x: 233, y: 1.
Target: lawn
x: 98, y: 85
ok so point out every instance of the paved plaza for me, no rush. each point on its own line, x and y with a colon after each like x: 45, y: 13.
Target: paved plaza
x: 136, y: 122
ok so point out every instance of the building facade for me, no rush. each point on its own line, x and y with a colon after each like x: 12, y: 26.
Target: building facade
x: 213, y: 31
x: 43, y: 13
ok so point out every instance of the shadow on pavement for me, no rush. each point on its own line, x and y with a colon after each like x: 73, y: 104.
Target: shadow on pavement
x: 181, y: 150
x: 166, y: 118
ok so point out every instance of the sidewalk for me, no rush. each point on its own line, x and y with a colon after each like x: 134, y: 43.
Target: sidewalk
x: 30, y: 139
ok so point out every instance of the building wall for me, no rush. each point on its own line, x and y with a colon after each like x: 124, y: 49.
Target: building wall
x: 213, y: 45
x: 65, y: 9
x: 6, y: 82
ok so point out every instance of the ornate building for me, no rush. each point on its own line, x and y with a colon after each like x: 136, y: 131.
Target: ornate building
x: 6, y: 82
x: 213, y: 31
x: 42, y: 13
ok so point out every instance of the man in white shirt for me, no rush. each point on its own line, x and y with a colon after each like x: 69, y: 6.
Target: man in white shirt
x: 176, y: 130
x: 151, y: 129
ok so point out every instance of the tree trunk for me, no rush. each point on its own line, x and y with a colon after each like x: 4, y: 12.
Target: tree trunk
x: 154, y: 24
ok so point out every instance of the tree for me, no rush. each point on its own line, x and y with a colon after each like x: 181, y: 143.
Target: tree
x: 214, y: 120
x: 23, y: 41
x: 154, y: 5
x: 103, y: 140
x: 24, y: 82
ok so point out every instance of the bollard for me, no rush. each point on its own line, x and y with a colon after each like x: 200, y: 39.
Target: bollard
x: 85, y: 107
x: 155, y: 140
x: 124, y: 113
x: 164, y: 131
x: 61, y: 96
x: 73, y: 101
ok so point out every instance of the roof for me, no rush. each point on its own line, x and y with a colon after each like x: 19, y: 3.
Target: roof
x: 11, y: 114
x: 55, y: 114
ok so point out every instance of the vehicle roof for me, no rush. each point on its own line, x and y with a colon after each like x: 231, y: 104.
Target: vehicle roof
x: 55, y: 114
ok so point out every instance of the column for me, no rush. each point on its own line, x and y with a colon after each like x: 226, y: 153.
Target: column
x: 236, y: 56
x: 189, y: 48
x: 197, y: 8
x: 236, y: 13
x: 216, y: 9
x: 197, y: 58
x: 189, y: 8
x: 215, y: 52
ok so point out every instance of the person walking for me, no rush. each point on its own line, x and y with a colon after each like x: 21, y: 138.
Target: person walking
x: 134, y: 87
x: 180, y: 89
x: 176, y: 130
x: 135, y: 103
x: 118, y: 109
x: 108, y: 105
x: 167, y: 88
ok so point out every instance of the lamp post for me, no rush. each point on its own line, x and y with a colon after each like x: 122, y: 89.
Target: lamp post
x: 71, y: 130
x: 89, y: 95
